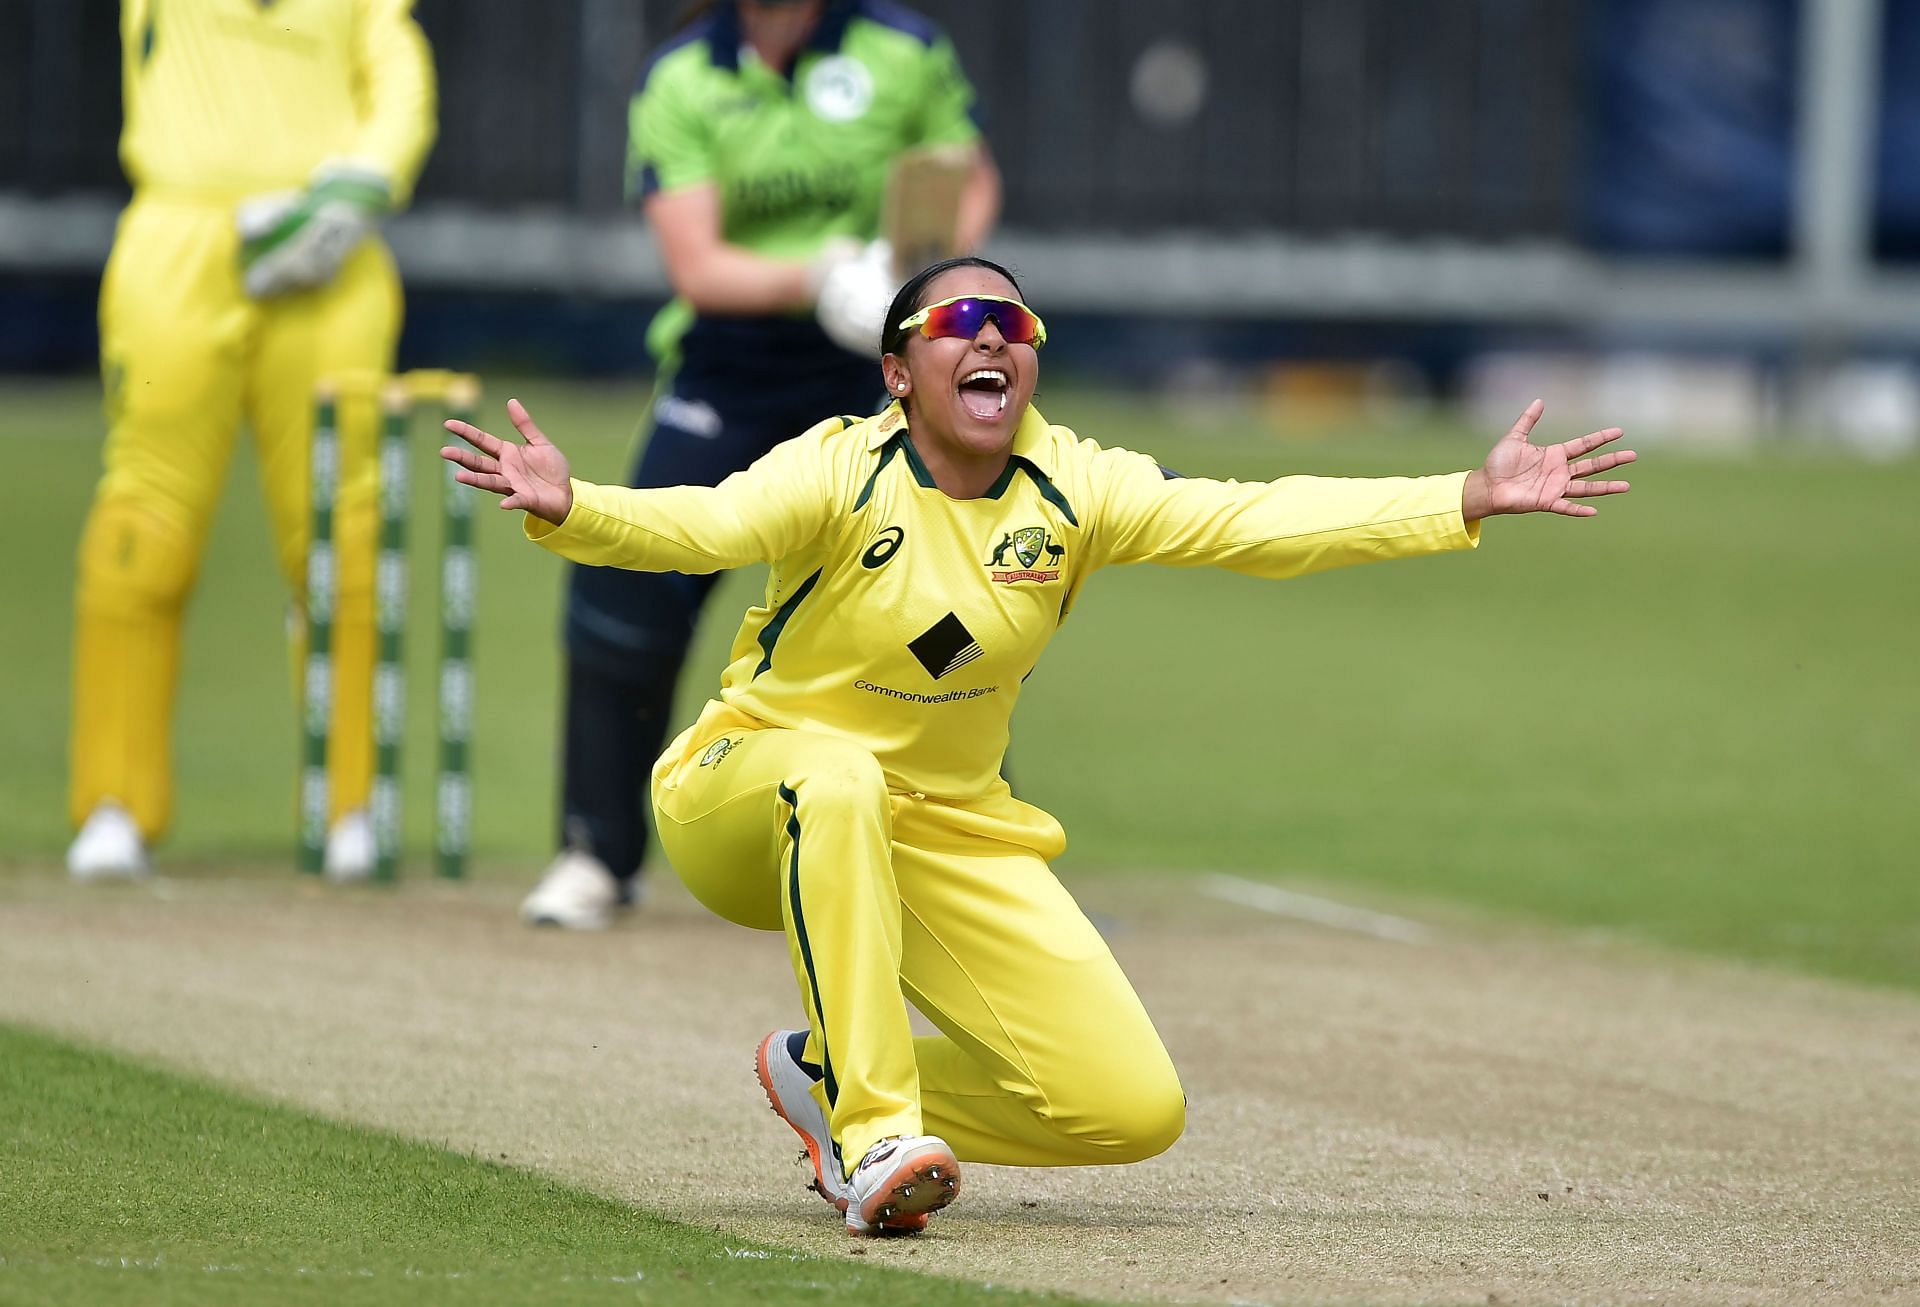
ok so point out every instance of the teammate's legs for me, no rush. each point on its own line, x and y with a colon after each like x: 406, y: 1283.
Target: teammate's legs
x: 781, y: 829
x: 173, y: 327
x: 346, y: 329
x: 1046, y: 1056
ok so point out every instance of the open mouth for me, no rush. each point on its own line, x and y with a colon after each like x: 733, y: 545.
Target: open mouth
x: 983, y: 393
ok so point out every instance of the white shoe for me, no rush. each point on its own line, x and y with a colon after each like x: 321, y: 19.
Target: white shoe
x: 788, y: 1083
x: 578, y: 893
x: 108, y: 846
x: 350, y: 848
x: 900, y: 1183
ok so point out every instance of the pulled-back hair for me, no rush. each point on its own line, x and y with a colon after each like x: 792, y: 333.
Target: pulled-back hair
x: 907, y: 303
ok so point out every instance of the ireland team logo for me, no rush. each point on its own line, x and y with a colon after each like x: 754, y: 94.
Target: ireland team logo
x: 839, y: 88
x: 1028, y: 546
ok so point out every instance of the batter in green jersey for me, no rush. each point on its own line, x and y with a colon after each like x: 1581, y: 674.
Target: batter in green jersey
x: 761, y: 140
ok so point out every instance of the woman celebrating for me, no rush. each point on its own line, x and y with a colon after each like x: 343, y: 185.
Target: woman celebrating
x: 845, y: 786
x: 762, y: 135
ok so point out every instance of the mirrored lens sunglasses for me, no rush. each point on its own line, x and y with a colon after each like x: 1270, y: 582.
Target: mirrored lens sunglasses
x: 964, y: 315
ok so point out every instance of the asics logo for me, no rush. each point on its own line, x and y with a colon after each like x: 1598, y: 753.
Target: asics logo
x: 884, y: 546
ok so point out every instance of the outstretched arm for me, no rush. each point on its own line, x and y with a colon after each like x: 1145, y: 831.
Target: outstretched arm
x: 1297, y: 525
x: 759, y: 514
x: 533, y: 476
x: 1521, y: 477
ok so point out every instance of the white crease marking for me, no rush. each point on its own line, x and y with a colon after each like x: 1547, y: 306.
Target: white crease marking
x: 1319, y: 911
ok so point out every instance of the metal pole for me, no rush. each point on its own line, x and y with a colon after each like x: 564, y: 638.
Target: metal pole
x: 1838, y: 94
x: 613, y: 43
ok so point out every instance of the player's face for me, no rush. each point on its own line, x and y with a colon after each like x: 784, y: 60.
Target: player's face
x: 969, y: 394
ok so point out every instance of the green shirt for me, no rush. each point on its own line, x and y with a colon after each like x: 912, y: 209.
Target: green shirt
x: 796, y: 160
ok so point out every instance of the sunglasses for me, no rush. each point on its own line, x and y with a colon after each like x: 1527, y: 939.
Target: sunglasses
x: 964, y: 315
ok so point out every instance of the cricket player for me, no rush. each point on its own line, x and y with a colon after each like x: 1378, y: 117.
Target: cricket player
x: 761, y: 138
x: 264, y: 141
x: 845, y: 786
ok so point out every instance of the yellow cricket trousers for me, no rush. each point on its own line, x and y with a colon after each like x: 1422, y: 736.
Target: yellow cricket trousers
x: 1045, y: 1057
x: 186, y: 355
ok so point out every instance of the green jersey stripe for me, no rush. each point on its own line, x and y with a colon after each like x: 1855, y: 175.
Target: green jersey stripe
x: 771, y: 635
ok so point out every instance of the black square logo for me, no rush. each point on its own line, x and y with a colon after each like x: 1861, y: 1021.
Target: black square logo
x: 946, y: 644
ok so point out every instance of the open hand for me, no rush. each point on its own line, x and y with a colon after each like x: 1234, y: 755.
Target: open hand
x: 533, y: 476
x: 1521, y: 477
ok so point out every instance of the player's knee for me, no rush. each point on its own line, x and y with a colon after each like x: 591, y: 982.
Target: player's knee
x: 1140, y: 1117
x: 131, y: 557
x: 1123, y: 1108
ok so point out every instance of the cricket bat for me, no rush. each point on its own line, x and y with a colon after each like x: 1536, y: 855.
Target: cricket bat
x: 922, y: 214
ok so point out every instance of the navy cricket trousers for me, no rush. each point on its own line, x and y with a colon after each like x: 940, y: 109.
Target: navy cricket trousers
x: 742, y: 387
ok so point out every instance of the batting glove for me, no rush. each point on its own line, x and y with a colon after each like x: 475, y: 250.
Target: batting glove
x: 296, y: 240
x: 853, y: 296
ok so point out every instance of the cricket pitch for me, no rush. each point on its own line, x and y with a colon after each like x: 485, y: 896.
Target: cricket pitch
x: 1488, y: 1115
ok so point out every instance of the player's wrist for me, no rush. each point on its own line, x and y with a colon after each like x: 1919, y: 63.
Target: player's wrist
x: 835, y: 254
x: 356, y: 182
x: 1475, y: 499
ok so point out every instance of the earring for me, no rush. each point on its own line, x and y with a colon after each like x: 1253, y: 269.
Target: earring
x: 899, y: 385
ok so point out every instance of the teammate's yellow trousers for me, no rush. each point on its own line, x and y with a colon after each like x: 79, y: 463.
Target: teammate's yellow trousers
x: 1045, y: 1057
x: 186, y: 355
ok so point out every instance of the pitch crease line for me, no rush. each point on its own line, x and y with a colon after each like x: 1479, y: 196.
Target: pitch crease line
x: 1319, y: 911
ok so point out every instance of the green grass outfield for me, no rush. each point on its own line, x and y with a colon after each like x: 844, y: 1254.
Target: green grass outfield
x: 128, y: 1185
x: 1695, y: 719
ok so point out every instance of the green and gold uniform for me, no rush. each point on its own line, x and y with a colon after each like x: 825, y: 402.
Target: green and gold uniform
x: 227, y: 100
x: 845, y: 786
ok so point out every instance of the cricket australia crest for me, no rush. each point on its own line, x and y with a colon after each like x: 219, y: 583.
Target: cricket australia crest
x: 716, y: 751
x: 1030, y: 545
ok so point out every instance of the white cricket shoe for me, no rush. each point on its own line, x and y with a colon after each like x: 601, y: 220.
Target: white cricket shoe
x: 788, y: 1082
x: 350, y: 848
x: 577, y: 893
x: 900, y: 1183
x: 108, y: 846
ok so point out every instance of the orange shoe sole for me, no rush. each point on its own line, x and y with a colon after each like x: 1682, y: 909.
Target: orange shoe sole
x: 922, y: 1186
x: 765, y: 1076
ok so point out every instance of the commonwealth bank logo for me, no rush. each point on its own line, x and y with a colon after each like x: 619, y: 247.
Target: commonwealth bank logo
x: 945, y: 646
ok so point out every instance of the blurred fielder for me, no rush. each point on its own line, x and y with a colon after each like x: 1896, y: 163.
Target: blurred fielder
x: 265, y: 140
x: 762, y: 138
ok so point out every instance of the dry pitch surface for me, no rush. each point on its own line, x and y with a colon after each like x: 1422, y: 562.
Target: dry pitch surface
x: 1487, y: 1117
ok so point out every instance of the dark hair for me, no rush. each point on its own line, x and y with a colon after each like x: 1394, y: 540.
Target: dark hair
x: 691, y: 14
x: 907, y: 302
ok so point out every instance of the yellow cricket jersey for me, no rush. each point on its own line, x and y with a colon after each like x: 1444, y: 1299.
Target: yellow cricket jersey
x: 235, y: 97
x: 907, y: 620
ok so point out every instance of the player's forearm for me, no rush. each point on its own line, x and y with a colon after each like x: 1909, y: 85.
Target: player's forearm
x: 1300, y: 525
x: 1290, y: 527
x: 725, y: 279
x: 693, y: 529
x: 979, y: 203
